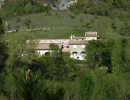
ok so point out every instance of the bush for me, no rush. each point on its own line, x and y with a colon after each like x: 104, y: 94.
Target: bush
x: 72, y: 16
x: 86, y: 87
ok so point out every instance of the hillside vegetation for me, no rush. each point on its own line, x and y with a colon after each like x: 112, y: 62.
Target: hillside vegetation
x: 108, y: 17
x: 18, y: 7
x: 111, y: 8
x: 103, y: 75
x: 60, y: 22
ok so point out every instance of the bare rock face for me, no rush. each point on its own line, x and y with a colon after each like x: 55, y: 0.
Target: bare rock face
x: 1, y: 3
x: 61, y: 4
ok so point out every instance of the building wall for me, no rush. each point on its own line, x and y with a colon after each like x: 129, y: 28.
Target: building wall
x: 79, y: 39
x: 90, y: 38
x: 76, y: 51
x: 42, y: 52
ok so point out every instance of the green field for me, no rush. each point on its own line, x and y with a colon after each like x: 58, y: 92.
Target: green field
x: 61, y: 21
x: 61, y: 18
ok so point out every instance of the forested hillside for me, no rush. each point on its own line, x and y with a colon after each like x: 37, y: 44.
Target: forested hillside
x: 16, y: 7
x: 111, y: 8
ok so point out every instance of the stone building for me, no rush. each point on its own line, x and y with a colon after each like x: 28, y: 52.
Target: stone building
x: 43, y: 45
x: 75, y: 45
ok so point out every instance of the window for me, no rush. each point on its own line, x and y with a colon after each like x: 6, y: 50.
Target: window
x: 74, y: 53
x: 82, y: 54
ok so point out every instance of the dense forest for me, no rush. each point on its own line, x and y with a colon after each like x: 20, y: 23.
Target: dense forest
x: 111, y: 8
x: 103, y: 75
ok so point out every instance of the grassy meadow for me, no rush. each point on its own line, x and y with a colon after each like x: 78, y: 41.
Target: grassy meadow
x: 62, y: 21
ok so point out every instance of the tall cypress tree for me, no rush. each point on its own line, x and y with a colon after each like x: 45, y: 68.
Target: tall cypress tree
x: 1, y: 27
x: 3, y: 48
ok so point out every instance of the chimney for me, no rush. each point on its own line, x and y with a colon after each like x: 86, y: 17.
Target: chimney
x: 71, y: 37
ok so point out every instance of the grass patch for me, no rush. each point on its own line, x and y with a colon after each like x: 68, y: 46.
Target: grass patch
x: 59, y: 34
x: 61, y: 20
x: 46, y: 34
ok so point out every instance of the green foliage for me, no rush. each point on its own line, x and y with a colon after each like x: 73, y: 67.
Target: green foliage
x: 113, y: 55
x: 34, y: 90
x: 17, y: 7
x: 58, y: 77
x: 120, y: 58
x: 99, y: 85
x: 93, y: 55
x: 18, y: 20
x: 55, y: 93
x: 21, y: 54
x: 99, y: 54
x: 2, y: 82
x: 58, y: 66
x: 86, y: 87
x: 113, y: 25
x: 1, y: 28
x: 27, y: 23
x: 3, y: 55
x: 57, y: 62
x: 3, y: 48
x: 62, y: 26
x: 72, y: 16
x: 102, y: 7
x: 105, y: 85
x: 124, y: 31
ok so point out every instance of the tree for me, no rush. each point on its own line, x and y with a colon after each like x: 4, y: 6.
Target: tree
x: 55, y: 92
x: 2, y: 84
x: 1, y: 27
x: 57, y: 67
x: 106, y: 86
x: 93, y: 53
x: 120, y: 56
x: 21, y: 53
x: 3, y: 55
x: 27, y: 23
x: 113, y: 25
x: 3, y: 48
x: 86, y: 87
x: 98, y: 54
x: 119, y: 62
x: 106, y: 54
x: 124, y: 31
x: 32, y: 88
